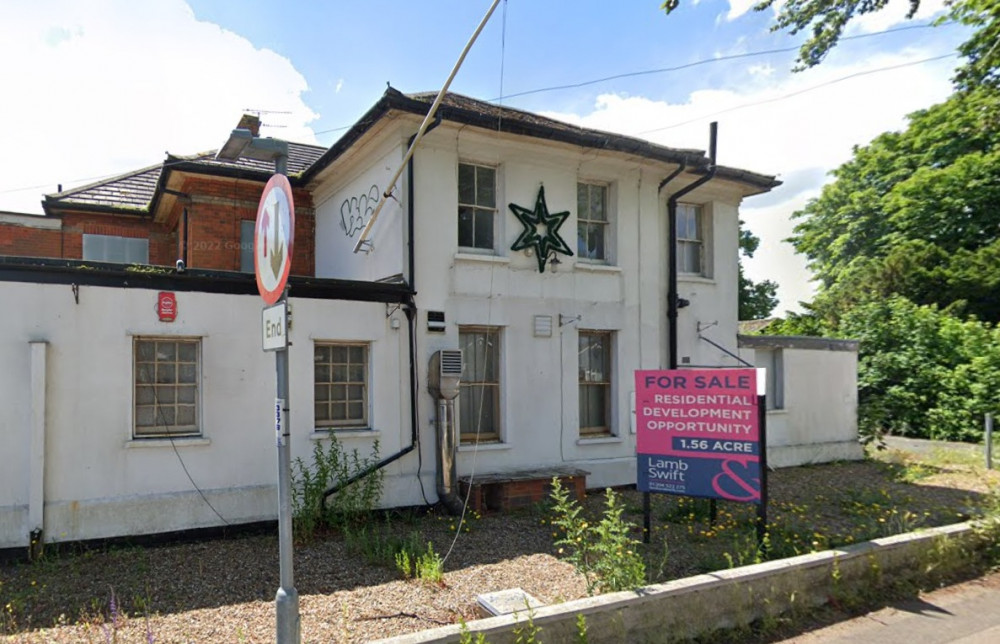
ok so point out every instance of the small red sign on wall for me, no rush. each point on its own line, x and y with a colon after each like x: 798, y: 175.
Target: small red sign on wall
x: 166, y: 306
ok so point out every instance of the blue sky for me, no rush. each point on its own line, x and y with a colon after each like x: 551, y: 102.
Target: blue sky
x: 105, y: 86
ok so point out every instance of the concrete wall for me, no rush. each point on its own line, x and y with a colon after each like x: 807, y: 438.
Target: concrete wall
x: 817, y: 418
x: 697, y: 607
x: 100, y: 482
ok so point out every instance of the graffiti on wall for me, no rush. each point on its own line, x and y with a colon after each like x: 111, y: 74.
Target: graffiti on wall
x: 355, y: 211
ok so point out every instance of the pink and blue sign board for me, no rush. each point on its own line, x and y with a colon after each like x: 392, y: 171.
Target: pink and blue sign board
x: 698, y: 433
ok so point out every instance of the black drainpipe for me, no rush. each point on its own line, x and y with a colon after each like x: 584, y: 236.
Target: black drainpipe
x: 674, y: 303
x: 410, y: 310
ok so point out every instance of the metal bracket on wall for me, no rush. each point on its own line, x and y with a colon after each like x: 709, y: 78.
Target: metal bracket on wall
x: 76, y: 292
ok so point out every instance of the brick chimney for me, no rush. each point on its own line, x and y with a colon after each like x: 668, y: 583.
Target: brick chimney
x: 250, y: 122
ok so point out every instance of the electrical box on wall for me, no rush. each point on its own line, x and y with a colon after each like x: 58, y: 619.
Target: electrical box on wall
x: 435, y: 321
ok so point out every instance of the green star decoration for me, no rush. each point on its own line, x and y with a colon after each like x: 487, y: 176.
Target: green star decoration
x: 540, y: 218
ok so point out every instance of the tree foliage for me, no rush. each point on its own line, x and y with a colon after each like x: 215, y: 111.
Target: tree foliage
x: 756, y: 299
x: 825, y: 21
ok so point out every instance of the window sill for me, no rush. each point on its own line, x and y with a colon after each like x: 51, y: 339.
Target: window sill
x: 485, y: 258
x: 596, y: 267
x: 598, y: 440
x: 320, y: 433
x: 483, y: 447
x: 695, y: 279
x: 180, y: 441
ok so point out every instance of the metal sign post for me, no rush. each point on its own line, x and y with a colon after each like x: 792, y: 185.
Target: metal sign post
x: 273, y: 237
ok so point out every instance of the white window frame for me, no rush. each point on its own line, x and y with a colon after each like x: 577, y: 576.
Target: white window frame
x: 608, y: 222
x: 148, y: 387
x: 348, y: 422
x: 700, y: 240
x: 609, y: 384
x: 471, y: 436
x: 775, y: 374
x: 494, y: 249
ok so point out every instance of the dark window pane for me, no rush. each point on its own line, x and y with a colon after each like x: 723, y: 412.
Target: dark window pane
x: 338, y: 393
x: 166, y: 373
x: 357, y: 354
x: 339, y: 373
x: 166, y: 351
x: 145, y: 350
x: 338, y: 412
x: 339, y: 354
x: 187, y: 352
x: 145, y: 416
x: 165, y: 395
x: 186, y: 394
x: 321, y: 411
x: 597, y: 198
x: 356, y: 411
x: 465, y: 227
x: 321, y: 354
x: 582, y: 201
x: 483, y: 229
x: 321, y: 373
x: 356, y: 373
x: 185, y: 415
x: 466, y: 184
x: 188, y: 374
x: 322, y: 393
x: 485, y: 187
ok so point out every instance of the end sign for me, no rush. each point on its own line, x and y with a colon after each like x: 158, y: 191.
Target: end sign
x: 274, y: 327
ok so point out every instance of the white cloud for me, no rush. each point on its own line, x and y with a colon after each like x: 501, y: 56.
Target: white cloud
x: 98, y: 87
x: 894, y: 14
x: 739, y: 7
x: 781, y: 126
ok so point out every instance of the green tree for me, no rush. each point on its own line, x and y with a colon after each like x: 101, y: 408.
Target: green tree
x: 756, y: 299
x: 825, y: 21
x: 913, y: 213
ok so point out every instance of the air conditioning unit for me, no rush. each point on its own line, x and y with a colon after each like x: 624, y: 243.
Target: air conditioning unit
x: 445, y: 374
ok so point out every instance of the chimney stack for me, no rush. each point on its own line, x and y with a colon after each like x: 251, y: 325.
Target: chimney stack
x: 250, y: 122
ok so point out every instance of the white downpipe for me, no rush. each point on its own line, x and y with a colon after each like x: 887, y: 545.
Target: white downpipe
x: 423, y: 128
x: 36, y: 454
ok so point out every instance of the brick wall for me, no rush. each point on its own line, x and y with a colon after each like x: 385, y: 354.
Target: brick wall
x: 215, y: 212
x: 215, y: 215
x: 28, y: 241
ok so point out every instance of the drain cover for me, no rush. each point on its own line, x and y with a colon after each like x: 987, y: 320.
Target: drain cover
x: 505, y: 602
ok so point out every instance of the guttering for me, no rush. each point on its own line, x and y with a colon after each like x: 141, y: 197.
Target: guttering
x: 672, y: 298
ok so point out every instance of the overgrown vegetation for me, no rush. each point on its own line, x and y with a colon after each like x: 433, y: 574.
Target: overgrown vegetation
x: 603, y: 552
x: 358, y: 483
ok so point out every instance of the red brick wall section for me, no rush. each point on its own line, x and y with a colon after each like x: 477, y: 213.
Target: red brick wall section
x: 24, y: 241
x: 162, y: 242
x: 214, y: 235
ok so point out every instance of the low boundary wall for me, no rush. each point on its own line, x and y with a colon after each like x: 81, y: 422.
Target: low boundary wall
x: 694, y: 606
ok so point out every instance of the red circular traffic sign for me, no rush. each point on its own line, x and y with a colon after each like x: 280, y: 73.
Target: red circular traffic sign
x: 274, y: 232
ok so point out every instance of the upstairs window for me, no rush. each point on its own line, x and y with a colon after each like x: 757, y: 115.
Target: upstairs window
x: 120, y: 250
x: 690, y: 240
x: 477, y: 206
x: 247, y: 231
x: 592, y: 221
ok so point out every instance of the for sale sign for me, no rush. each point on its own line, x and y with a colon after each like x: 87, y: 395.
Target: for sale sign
x: 698, y: 433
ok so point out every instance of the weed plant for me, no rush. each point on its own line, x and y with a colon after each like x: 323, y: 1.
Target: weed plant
x: 604, y: 552
x: 334, y: 467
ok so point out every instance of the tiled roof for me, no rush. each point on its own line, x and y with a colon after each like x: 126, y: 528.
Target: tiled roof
x: 134, y: 192
x: 469, y: 111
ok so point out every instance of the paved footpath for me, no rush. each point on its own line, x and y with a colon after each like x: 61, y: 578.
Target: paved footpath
x: 967, y: 613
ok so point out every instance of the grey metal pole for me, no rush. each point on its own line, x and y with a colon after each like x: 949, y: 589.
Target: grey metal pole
x: 286, y: 601
x: 989, y: 441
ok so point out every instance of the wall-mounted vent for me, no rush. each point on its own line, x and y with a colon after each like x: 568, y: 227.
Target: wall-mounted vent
x: 435, y: 321
x: 543, y: 326
x: 445, y: 373
x: 451, y: 363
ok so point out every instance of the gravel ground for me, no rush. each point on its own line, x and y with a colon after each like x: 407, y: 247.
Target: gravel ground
x: 223, y: 590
